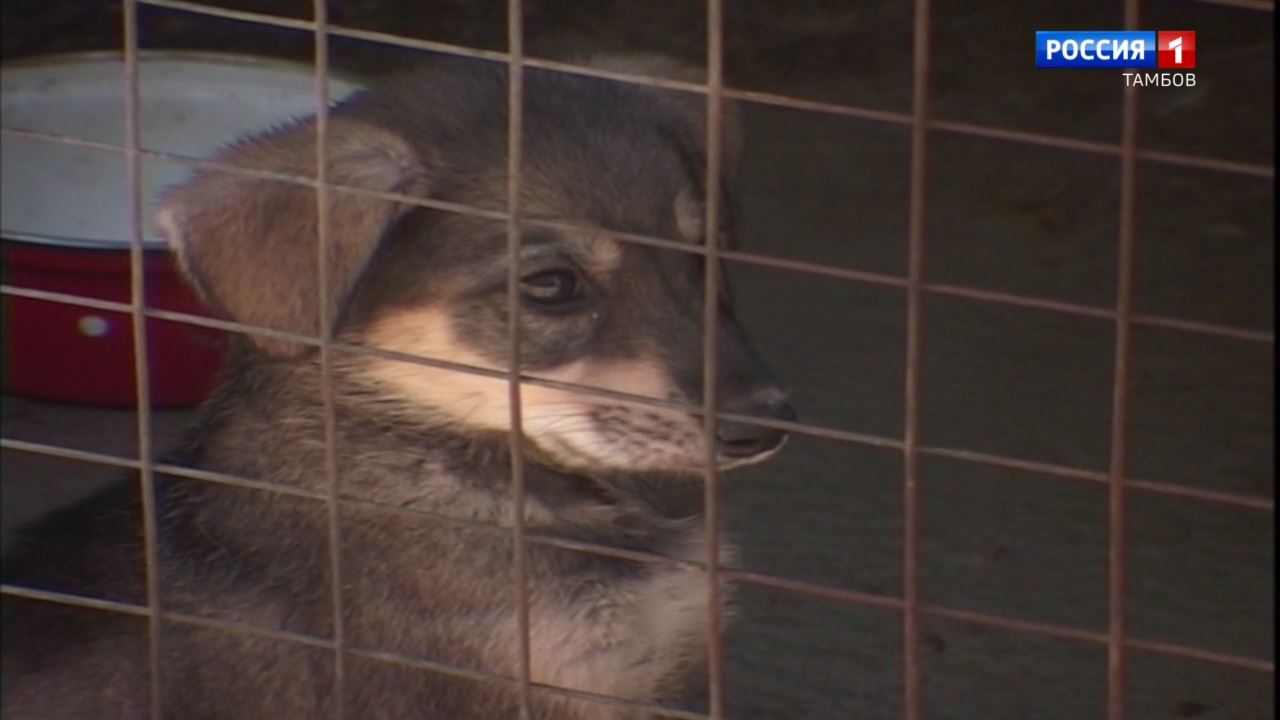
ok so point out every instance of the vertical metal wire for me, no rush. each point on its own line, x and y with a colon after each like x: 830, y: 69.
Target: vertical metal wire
x: 324, y: 292
x: 141, y: 369
x: 515, y: 145
x: 911, y: 676
x: 710, y: 352
x: 1116, y: 499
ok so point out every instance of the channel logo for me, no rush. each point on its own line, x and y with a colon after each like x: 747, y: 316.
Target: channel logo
x: 1116, y: 49
x: 1176, y: 49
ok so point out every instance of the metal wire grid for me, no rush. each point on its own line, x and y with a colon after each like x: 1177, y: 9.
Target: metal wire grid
x: 914, y: 284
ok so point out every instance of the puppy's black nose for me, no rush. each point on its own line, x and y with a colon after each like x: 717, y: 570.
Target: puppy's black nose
x: 742, y: 440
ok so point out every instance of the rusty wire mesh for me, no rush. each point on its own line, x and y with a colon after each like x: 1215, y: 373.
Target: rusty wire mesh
x: 922, y: 127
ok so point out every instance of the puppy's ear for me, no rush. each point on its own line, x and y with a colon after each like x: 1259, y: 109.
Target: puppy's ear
x: 249, y: 245
x: 690, y: 107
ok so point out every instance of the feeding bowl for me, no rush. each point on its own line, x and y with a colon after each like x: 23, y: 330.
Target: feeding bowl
x: 66, y: 212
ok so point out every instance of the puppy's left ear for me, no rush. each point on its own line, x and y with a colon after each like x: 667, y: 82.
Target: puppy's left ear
x: 690, y: 107
x: 249, y: 244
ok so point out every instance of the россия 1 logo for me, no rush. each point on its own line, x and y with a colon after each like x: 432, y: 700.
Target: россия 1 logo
x: 1176, y: 50
x: 1124, y: 50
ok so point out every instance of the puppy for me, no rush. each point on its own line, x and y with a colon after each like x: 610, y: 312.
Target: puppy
x: 422, y: 451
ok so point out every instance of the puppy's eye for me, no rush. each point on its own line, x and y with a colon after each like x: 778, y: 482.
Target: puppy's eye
x: 552, y: 288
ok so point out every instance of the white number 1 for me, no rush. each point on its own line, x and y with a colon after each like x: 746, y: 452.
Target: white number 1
x: 1176, y: 46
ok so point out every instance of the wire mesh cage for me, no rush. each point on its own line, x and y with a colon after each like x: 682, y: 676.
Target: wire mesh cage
x: 1075, y: 498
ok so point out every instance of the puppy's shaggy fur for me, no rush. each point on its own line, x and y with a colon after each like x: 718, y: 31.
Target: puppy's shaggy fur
x: 422, y: 452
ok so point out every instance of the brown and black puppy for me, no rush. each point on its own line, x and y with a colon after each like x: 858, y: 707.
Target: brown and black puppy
x: 422, y: 452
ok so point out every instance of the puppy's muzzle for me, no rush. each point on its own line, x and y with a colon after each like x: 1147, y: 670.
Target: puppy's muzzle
x: 742, y: 440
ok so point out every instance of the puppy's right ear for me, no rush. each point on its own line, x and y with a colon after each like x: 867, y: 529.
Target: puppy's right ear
x: 249, y: 245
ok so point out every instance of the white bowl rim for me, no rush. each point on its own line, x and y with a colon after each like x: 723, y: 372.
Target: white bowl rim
x: 210, y: 57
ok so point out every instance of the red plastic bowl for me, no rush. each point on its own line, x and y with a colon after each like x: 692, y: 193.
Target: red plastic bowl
x: 66, y: 218
x: 70, y: 353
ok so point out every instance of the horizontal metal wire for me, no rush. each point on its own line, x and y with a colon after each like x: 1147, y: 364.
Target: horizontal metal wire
x: 620, y: 396
x: 954, y: 127
x: 792, y: 586
x: 1255, y: 502
x: 968, y: 617
x: 181, y: 471
x: 241, y: 628
x: 756, y: 259
x: 900, y: 118
x: 1098, y: 638
x: 499, y: 215
x: 795, y: 587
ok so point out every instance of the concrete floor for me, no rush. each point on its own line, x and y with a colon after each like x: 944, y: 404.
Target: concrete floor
x: 1022, y: 383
